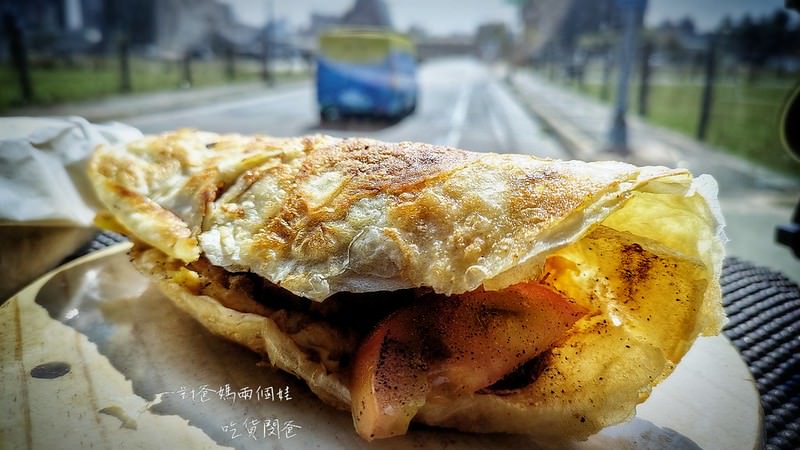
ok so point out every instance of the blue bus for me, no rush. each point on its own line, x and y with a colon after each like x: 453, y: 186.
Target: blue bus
x: 366, y: 72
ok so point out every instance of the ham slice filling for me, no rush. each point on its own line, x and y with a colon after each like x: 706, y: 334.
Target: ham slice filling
x: 451, y: 345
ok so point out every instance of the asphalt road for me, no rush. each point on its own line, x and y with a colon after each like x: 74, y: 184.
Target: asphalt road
x: 462, y: 103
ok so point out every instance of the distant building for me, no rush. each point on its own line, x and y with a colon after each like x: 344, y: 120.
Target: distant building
x: 38, y: 15
x: 363, y: 13
x: 322, y: 22
x: 368, y: 13
x: 493, y: 41
x: 200, y: 27
x: 168, y: 28
x: 318, y: 24
x: 551, y: 28
x: 681, y: 36
x: 55, y: 26
x: 443, y: 46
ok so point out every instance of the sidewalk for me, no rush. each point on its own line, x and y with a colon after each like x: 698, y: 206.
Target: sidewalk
x: 582, y: 124
x: 754, y: 199
x: 118, y: 107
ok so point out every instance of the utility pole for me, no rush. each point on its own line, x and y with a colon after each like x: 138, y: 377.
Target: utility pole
x: 709, y: 77
x: 19, y: 55
x: 116, y: 16
x: 186, y: 64
x: 230, y: 61
x: 266, y: 72
x: 124, y: 55
x: 608, y: 60
x: 633, y: 12
x: 644, y: 78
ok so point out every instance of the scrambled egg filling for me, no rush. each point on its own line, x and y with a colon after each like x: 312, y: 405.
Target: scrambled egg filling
x: 606, y: 272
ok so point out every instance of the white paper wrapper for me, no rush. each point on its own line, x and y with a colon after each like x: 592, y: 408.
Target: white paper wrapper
x: 42, y: 168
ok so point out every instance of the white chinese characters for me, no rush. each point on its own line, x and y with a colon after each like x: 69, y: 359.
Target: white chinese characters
x: 256, y: 429
x: 227, y: 393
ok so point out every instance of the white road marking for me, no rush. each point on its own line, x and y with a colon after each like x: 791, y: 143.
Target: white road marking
x: 500, y: 131
x: 525, y: 134
x: 459, y: 116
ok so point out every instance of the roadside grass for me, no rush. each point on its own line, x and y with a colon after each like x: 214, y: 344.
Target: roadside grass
x: 744, y: 117
x: 94, y: 78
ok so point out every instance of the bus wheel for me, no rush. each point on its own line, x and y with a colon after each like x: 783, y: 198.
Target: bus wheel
x: 329, y: 114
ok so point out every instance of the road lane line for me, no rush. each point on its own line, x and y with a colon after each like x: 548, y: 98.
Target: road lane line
x: 496, y: 120
x: 524, y: 128
x: 459, y: 116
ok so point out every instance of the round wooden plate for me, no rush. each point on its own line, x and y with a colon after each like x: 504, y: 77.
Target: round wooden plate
x: 93, y: 355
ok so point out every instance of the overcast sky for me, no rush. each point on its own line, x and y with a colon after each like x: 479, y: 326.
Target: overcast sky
x: 463, y: 16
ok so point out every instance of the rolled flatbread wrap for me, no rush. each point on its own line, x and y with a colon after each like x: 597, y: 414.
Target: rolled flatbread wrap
x: 408, y: 282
